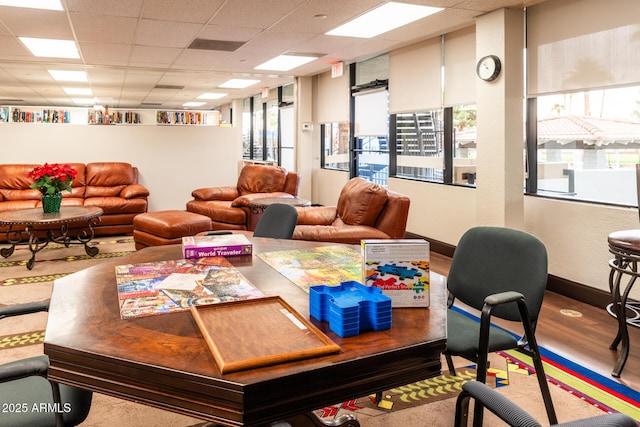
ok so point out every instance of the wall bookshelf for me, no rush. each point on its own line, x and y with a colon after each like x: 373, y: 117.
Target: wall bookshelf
x: 107, y: 116
x: 113, y: 117
x: 197, y: 118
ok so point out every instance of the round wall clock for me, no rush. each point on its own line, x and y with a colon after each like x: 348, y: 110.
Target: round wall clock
x: 488, y: 67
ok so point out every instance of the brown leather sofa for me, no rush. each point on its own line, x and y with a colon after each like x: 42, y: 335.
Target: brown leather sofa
x: 229, y: 206
x: 364, y: 211
x: 112, y: 186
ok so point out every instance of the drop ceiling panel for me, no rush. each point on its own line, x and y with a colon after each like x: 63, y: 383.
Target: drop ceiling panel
x: 153, y: 56
x: 105, y: 29
x: 23, y: 22
x: 195, y: 11
x: 131, y: 8
x: 110, y: 54
x: 166, y: 33
x: 255, y: 13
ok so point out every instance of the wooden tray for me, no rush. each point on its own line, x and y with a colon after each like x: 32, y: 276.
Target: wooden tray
x: 259, y: 332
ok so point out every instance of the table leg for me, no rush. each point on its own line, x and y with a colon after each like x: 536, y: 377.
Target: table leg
x: 311, y: 419
x: 85, y: 236
x: 13, y: 238
x: 35, y: 245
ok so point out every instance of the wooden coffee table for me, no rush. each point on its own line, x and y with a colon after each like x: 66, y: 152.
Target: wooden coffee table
x: 165, y: 362
x: 56, y: 226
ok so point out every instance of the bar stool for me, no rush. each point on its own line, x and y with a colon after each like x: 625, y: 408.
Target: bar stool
x: 625, y: 247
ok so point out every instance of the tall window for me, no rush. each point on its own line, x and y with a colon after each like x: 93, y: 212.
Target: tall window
x: 371, y: 119
x: 259, y: 126
x: 272, y: 134
x: 335, y: 146
x: 583, y: 127
x: 419, y: 139
x: 464, y: 134
x: 588, y: 144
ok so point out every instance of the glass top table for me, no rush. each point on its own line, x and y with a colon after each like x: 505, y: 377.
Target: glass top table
x: 54, y: 227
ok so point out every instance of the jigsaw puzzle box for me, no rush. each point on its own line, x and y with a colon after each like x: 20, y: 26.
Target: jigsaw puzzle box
x: 400, y: 267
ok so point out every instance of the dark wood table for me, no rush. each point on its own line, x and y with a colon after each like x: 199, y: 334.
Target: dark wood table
x: 56, y: 225
x: 163, y: 361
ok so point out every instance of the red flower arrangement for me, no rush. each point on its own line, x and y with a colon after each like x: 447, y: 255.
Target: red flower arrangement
x: 52, y: 178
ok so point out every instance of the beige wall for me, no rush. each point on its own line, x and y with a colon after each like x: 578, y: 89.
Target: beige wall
x: 172, y: 160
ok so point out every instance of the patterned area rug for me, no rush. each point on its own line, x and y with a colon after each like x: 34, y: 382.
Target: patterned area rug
x: 19, y: 285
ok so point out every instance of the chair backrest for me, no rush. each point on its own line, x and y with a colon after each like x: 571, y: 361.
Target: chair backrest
x: 489, y: 260
x: 277, y: 221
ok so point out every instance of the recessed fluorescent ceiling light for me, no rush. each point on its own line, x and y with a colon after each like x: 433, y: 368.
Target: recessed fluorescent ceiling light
x: 238, y: 83
x: 51, y: 48
x: 285, y: 62
x: 212, y: 95
x: 385, y: 18
x: 69, y: 76
x: 77, y: 91
x: 84, y: 101
x: 193, y: 104
x: 34, y: 4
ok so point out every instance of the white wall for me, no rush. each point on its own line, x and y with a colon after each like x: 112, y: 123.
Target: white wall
x: 172, y: 160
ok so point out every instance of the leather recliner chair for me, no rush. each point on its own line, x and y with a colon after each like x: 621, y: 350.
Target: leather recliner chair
x: 229, y: 206
x: 364, y: 211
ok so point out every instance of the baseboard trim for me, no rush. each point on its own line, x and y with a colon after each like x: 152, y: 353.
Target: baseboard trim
x: 577, y: 291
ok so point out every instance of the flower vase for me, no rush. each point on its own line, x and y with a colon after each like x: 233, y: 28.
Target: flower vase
x: 51, y: 202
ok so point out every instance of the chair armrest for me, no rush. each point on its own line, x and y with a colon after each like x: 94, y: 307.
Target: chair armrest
x: 502, y: 407
x: 317, y: 215
x: 134, y: 190
x: 216, y: 193
x: 26, y: 308
x: 515, y: 416
x: 24, y: 368
x: 503, y: 298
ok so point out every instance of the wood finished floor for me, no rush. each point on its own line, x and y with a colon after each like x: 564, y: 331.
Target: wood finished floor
x: 584, y: 340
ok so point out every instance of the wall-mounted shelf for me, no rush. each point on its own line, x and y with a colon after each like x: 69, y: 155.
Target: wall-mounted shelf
x: 108, y: 116
x: 202, y: 118
x: 35, y: 115
x: 113, y: 117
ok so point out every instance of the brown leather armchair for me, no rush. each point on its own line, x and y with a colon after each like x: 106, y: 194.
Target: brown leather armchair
x: 364, y: 211
x: 229, y: 206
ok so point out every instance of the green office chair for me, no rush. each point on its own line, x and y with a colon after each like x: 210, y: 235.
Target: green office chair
x: 26, y: 394
x: 501, y: 273
x: 515, y: 416
x: 277, y: 221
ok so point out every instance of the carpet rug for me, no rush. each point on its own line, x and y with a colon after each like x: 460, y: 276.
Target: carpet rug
x: 14, y: 273
x: 429, y: 402
x: 430, y: 390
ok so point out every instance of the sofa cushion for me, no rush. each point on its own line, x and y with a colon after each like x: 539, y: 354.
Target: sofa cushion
x: 360, y: 202
x: 261, y: 179
x: 107, y: 179
x: 218, y: 209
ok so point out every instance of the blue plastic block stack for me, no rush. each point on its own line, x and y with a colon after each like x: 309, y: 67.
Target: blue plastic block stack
x: 350, y: 308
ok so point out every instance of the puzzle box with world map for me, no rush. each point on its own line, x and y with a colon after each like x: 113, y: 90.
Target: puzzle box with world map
x: 400, y: 267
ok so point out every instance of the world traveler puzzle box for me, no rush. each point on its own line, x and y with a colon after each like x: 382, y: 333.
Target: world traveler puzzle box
x: 400, y: 267
x: 216, y: 245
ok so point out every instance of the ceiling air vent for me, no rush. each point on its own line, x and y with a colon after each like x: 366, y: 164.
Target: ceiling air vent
x: 176, y: 87
x: 221, y: 45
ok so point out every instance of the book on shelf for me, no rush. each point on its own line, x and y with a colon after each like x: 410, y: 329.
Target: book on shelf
x: 153, y: 288
x: 216, y: 245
